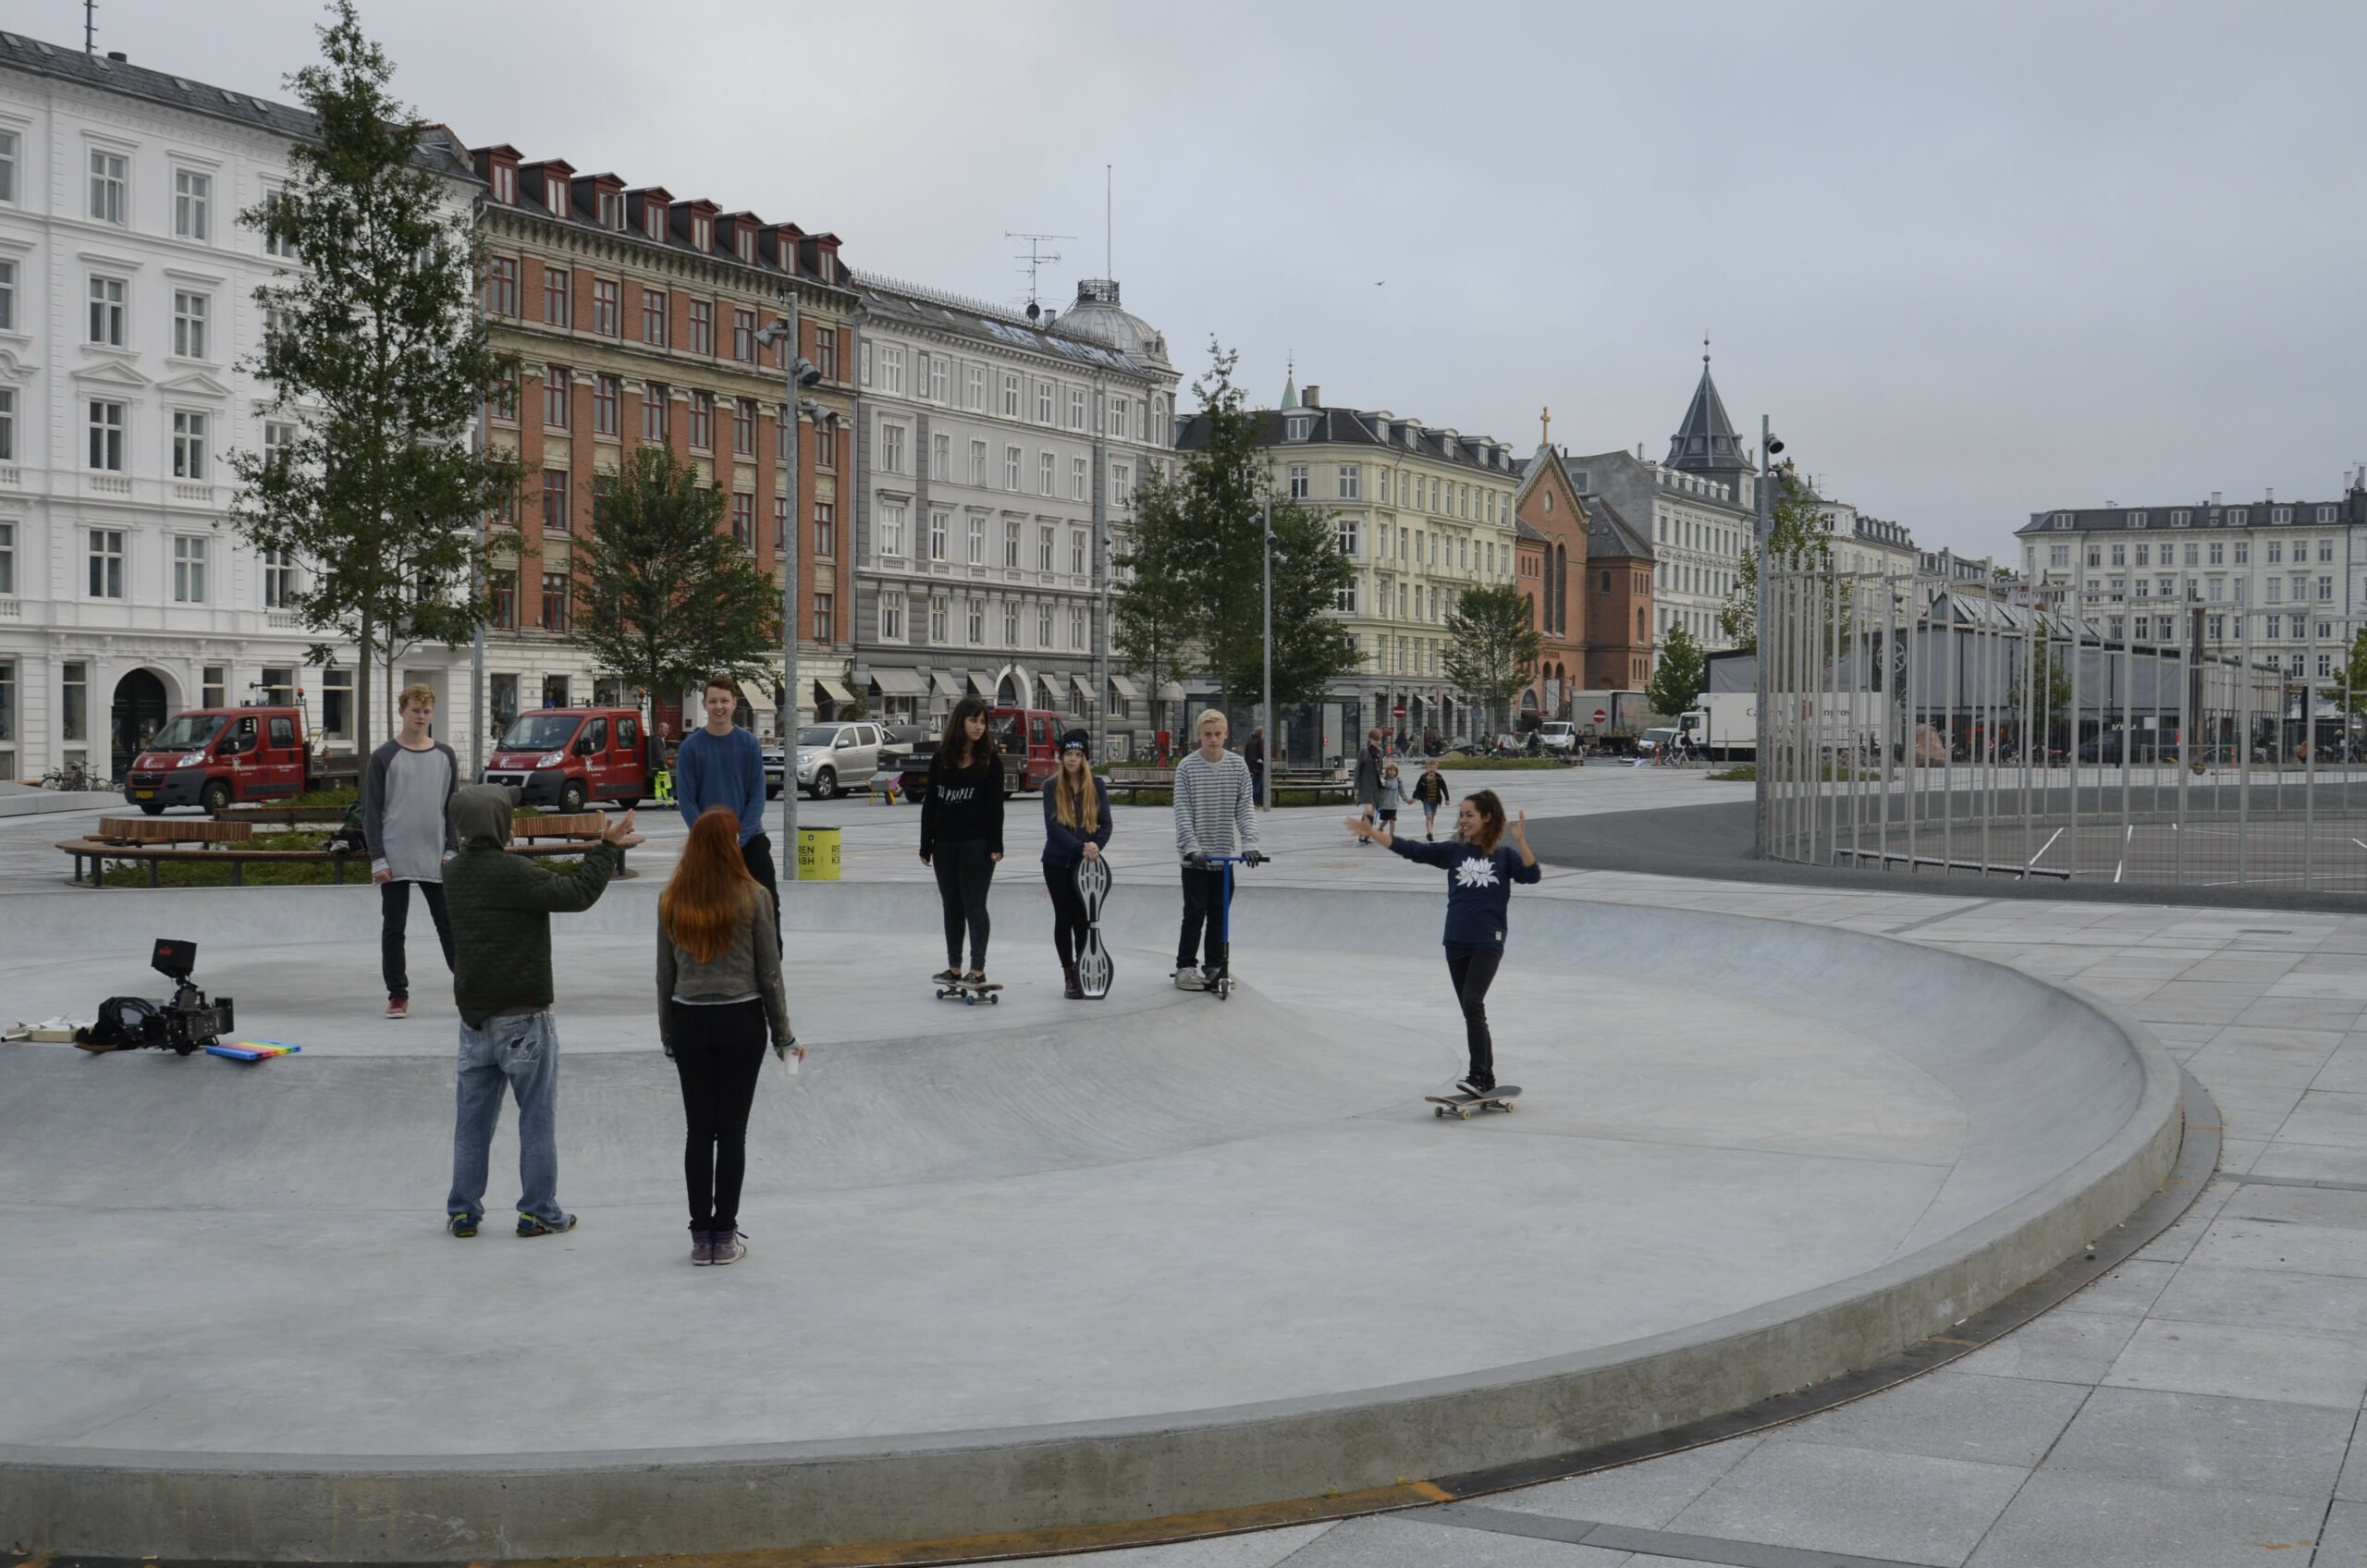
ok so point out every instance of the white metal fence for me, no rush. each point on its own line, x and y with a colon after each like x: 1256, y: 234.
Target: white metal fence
x: 1912, y: 727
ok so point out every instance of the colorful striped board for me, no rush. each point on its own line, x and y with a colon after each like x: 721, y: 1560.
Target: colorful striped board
x: 251, y: 1050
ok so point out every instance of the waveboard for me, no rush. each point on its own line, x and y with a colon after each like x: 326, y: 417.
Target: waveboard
x: 1095, y: 968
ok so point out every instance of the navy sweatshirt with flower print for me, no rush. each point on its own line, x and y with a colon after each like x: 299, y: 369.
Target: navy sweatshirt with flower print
x: 1478, y: 889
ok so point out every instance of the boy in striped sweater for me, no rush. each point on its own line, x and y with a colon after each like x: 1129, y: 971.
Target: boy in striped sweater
x: 1214, y: 815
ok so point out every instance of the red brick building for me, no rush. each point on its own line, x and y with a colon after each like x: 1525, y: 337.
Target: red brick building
x: 1550, y: 558
x: 634, y: 316
x: 1618, y: 597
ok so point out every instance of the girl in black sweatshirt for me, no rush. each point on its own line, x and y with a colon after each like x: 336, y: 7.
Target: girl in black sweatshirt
x: 962, y: 833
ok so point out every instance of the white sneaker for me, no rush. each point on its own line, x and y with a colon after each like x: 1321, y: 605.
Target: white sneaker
x: 1190, y: 980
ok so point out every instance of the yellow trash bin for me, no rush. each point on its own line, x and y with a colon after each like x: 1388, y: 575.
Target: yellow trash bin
x: 817, y: 854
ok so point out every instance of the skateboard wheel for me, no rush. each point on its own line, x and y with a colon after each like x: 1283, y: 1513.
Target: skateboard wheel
x: 1439, y: 1110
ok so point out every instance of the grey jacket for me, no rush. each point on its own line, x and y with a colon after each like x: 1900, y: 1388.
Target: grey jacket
x: 750, y: 966
x: 374, y: 800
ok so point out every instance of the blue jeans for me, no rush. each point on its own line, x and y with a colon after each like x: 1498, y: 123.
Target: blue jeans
x: 520, y: 1050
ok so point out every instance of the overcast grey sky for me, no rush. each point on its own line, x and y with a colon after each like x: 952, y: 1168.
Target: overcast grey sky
x: 1975, y: 259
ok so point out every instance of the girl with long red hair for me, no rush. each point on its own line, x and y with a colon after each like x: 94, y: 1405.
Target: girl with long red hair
x: 718, y: 995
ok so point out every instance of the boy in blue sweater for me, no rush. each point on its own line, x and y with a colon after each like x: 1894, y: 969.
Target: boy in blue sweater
x: 1480, y: 871
x: 721, y: 765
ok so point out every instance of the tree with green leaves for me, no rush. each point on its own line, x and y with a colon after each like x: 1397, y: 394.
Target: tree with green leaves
x: 2044, y: 689
x: 1150, y: 619
x: 1680, y: 676
x: 1797, y: 542
x: 1492, y: 643
x: 668, y: 597
x: 373, y: 346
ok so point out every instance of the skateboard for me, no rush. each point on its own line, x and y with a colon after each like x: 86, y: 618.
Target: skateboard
x: 971, y: 992
x: 1094, y: 967
x: 1500, y: 1098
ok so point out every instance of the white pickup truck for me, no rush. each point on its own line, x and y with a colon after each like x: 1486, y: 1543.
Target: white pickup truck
x: 1558, y: 735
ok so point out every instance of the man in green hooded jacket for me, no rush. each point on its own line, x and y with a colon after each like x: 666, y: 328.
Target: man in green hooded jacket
x: 500, y: 906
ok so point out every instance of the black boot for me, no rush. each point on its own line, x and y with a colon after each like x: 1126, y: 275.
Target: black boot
x: 1075, y: 991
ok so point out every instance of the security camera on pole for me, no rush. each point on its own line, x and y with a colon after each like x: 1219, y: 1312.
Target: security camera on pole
x: 799, y: 372
x: 1768, y: 448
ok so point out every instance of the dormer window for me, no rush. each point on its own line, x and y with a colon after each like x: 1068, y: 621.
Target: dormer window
x: 653, y: 219
x: 2062, y: 519
x: 2180, y: 520
x: 747, y: 243
x: 1298, y: 427
x: 702, y: 234
x: 612, y: 209
x: 555, y: 193
x: 2236, y: 516
x: 2137, y: 519
x: 505, y: 184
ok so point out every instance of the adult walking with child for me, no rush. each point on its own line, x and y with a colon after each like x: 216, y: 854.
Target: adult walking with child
x: 720, y: 995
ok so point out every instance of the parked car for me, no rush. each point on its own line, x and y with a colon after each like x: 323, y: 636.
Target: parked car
x: 574, y: 757
x: 831, y: 758
x: 214, y: 758
x: 1653, y: 742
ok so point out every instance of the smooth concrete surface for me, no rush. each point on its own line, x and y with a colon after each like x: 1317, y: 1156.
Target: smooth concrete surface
x: 1035, y: 1265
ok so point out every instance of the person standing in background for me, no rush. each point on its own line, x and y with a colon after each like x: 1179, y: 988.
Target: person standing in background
x: 962, y: 834
x: 404, y: 790
x: 1253, y: 752
x: 721, y: 765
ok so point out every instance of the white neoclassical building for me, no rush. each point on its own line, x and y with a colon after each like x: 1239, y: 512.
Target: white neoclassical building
x: 996, y: 459
x: 127, y: 307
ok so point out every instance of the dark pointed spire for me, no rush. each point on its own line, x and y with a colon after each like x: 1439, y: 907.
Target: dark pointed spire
x: 1706, y: 442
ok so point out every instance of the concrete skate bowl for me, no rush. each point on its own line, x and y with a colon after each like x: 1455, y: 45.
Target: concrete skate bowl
x: 1041, y: 1274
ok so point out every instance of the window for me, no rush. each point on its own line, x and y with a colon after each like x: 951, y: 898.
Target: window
x: 703, y: 422
x: 1299, y: 485
x: 607, y: 307
x: 7, y: 425
x: 8, y: 296
x: 1347, y: 602
x: 939, y: 614
x: 106, y: 563
x: 1010, y: 395
x: 606, y: 420
x: 977, y: 541
x: 743, y: 427
x: 556, y: 310
x: 189, y: 446
x: 1047, y: 401
x: 977, y: 621
x: 110, y: 175
x: 826, y: 446
x: 743, y: 519
x: 557, y: 384
x: 1076, y: 551
x: 824, y: 617
x: 973, y: 388
x: 2325, y: 550
x: 1079, y: 482
x: 279, y: 579
x: 2325, y: 590
x: 2275, y: 590
x: 7, y: 559
x: 557, y: 603
x: 891, y: 447
x: 703, y: 327
x: 1011, y: 460
x: 891, y: 369
x: 1347, y: 537
x: 2120, y: 555
x: 501, y: 286
x: 652, y: 317
x: 2238, y: 517
x: 1044, y: 547
x: 8, y: 194
x: 1043, y: 626
x: 978, y: 462
x: 2218, y: 552
x: 192, y: 203
x: 891, y: 530
x: 940, y: 457
x: 74, y: 680
x: 826, y: 529
x: 1117, y: 428
x: 891, y: 618
x: 106, y: 311
x: 653, y: 399
x: 106, y: 436
x: 1011, y: 544
x: 189, y: 314
x: 2275, y: 552
x: 2058, y: 555
x: 743, y: 336
x: 1010, y: 623
x: 1350, y: 481
x: 1076, y: 408
x: 188, y: 570
x: 781, y: 522
x: 865, y: 357
x: 555, y: 500
x: 1045, y: 472
x: 2189, y: 555
x: 939, y: 370
x: 940, y: 526
x: 2145, y: 555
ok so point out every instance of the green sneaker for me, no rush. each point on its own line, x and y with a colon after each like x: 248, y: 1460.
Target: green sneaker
x: 461, y: 1225
x: 530, y: 1226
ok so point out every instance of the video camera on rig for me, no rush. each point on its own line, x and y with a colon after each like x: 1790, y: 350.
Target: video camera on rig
x: 186, y: 1023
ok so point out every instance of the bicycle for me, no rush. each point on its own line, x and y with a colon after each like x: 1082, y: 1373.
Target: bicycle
x: 77, y: 777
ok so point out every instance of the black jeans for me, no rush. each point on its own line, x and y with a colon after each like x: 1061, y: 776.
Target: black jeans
x: 1257, y: 784
x: 1204, y: 918
x: 394, y: 905
x: 1068, y: 911
x: 757, y: 855
x: 965, y: 868
x: 1474, y: 973
x: 719, y: 1051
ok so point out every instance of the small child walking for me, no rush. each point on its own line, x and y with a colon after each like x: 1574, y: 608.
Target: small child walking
x: 1480, y: 871
x: 1393, y: 795
x: 1430, y: 790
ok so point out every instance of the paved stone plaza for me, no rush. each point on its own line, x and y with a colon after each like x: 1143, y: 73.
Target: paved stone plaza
x: 1695, y: 1136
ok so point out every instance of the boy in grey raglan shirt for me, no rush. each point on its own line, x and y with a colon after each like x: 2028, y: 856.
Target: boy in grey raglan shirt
x: 1214, y: 815
x: 404, y: 792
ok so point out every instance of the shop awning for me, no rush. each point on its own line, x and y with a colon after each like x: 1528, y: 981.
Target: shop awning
x: 1084, y: 690
x: 946, y: 685
x: 757, y: 695
x: 984, y: 687
x: 901, y: 682
x: 1126, y: 689
x: 833, y: 690
x: 1171, y: 692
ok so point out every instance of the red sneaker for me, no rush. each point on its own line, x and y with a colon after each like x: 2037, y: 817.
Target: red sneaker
x: 397, y: 1007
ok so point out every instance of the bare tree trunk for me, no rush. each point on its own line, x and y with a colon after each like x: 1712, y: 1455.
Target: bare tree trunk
x: 362, y: 686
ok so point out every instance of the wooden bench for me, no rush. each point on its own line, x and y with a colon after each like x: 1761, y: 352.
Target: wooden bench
x: 152, y: 841
x: 171, y: 830
x: 1323, y: 782
x: 1131, y: 779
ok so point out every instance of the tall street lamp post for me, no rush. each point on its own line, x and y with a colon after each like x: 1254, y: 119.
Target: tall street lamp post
x: 797, y: 372
x: 1266, y: 705
x: 1768, y: 448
